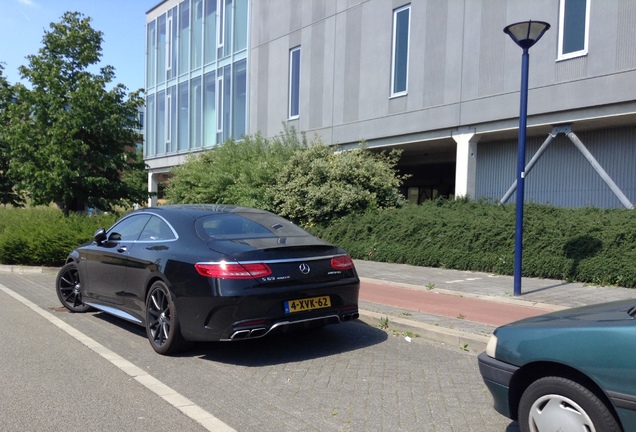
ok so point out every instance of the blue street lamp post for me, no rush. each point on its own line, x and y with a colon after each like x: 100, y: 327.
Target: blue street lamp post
x: 525, y: 34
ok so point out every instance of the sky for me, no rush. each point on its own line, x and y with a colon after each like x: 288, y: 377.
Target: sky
x: 122, y: 22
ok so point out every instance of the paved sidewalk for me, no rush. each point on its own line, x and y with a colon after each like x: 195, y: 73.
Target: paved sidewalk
x: 461, y: 307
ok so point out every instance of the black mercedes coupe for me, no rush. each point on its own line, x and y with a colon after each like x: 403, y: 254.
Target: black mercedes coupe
x: 210, y: 272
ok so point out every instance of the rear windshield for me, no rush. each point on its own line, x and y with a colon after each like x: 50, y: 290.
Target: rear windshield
x: 246, y: 225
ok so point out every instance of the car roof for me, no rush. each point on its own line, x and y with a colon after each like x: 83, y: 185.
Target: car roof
x: 199, y: 210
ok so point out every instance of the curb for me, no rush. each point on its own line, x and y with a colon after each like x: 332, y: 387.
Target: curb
x: 462, y: 340
x: 4, y: 268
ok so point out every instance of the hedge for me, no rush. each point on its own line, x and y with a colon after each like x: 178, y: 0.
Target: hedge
x: 589, y: 245
x: 42, y: 236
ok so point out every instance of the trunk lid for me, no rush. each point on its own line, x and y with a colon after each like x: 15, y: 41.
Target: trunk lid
x: 292, y: 260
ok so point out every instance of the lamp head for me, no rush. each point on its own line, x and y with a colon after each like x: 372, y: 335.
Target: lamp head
x: 526, y: 33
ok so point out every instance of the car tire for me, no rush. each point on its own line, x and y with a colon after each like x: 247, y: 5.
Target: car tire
x: 563, y: 404
x: 67, y: 288
x: 162, y: 321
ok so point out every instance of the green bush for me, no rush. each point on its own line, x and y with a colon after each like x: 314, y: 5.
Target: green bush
x: 235, y: 172
x: 320, y: 184
x: 585, y: 245
x: 285, y: 175
x: 43, y: 236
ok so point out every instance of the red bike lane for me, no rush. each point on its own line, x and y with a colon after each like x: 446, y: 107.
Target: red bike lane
x: 489, y: 312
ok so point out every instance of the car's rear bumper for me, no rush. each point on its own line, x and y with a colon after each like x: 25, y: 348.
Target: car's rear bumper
x: 497, y: 376
x: 232, y: 318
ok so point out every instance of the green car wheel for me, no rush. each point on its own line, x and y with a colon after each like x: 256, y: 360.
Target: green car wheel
x: 555, y: 403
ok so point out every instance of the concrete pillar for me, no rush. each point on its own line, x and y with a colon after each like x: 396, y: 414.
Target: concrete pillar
x: 153, y: 186
x: 465, y: 164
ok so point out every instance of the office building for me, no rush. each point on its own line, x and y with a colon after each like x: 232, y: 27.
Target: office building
x: 437, y: 79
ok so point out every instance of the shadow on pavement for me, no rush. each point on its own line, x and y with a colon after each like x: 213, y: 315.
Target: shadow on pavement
x: 293, y: 346
x: 530, y: 291
x: 120, y: 322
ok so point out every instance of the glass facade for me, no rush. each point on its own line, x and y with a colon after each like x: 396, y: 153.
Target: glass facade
x: 196, y: 76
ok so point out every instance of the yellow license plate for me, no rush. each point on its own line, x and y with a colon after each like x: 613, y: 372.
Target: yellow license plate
x: 307, y: 304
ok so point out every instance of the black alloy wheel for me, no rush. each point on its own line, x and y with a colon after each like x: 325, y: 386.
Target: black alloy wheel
x: 67, y: 287
x: 162, y: 323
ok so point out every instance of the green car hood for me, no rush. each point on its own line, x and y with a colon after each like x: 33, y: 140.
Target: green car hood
x: 598, y: 340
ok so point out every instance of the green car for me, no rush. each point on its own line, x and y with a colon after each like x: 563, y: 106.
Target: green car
x: 573, y: 370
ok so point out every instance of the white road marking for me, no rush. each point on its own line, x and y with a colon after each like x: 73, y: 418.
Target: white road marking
x: 183, y: 404
x: 461, y: 280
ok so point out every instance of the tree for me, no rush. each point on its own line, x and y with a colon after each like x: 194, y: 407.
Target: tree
x: 236, y: 172
x: 320, y: 184
x: 8, y: 193
x: 72, y: 140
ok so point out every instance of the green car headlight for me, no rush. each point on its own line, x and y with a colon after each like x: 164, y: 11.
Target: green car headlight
x: 491, y: 348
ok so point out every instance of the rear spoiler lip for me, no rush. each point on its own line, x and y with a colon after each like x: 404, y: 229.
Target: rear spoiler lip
x: 281, y: 261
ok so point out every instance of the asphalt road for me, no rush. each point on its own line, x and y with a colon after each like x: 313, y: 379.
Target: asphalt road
x: 85, y: 372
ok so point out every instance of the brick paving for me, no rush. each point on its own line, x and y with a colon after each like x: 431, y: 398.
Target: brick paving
x: 362, y: 378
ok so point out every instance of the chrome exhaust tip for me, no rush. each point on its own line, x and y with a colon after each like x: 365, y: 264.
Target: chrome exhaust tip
x: 249, y: 334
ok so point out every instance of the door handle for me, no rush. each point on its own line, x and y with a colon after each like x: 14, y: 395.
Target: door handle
x: 122, y: 249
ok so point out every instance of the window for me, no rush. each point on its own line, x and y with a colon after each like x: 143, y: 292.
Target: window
x: 239, y: 102
x: 128, y: 229
x: 221, y: 24
x: 224, y: 103
x: 196, y: 43
x: 171, y: 119
x: 184, y: 105
x: 209, y: 109
x: 224, y: 27
x: 151, y: 56
x: 574, y: 20
x: 171, y: 44
x: 240, y: 25
x: 160, y: 133
x: 400, y: 60
x: 210, y: 31
x: 151, y: 142
x: 246, y: 225
x: 156, y: 230
x: 161, y: 49
x: 195, y: 112
x: 294, y: 83
x: 184, y: 37
x: 219, y: 104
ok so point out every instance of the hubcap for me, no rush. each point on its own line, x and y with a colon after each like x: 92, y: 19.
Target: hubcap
x: 556, y: 412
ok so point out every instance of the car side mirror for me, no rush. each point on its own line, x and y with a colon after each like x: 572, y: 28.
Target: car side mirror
x: 99, y: 236
x: 114, y: 237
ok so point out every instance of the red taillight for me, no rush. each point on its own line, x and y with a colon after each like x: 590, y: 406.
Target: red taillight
x: 342, y: 262
x: 225, y: 270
